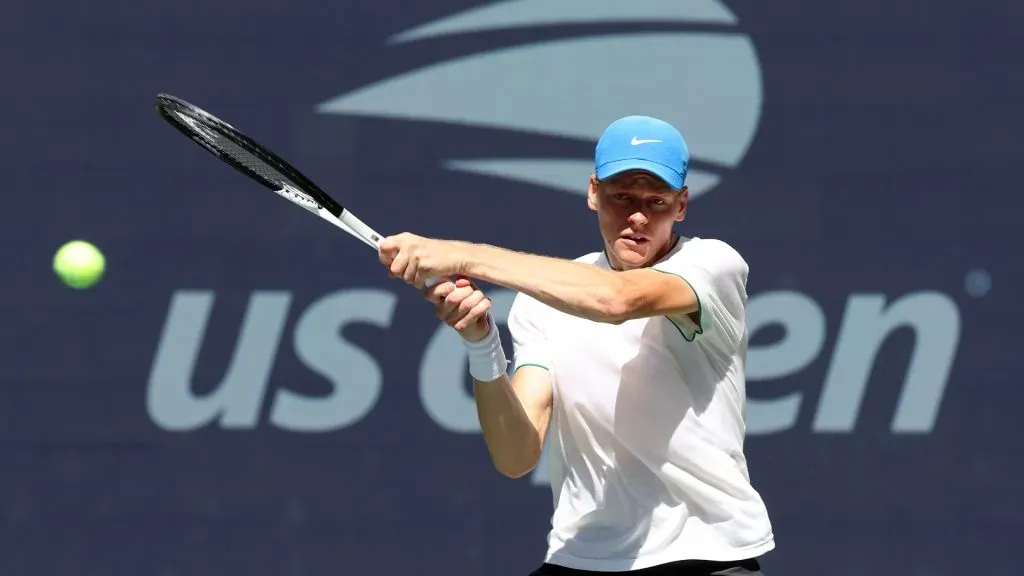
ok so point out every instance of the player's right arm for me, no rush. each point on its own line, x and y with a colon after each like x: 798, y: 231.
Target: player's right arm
x: 513, y: 412
x: 514, y: 415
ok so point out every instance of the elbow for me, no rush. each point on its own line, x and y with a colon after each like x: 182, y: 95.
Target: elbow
x: 517, y: 467
x: 514, y: 473
x: 615, y: 303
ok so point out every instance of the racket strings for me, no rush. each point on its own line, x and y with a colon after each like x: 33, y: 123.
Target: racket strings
x: 230, y: 148
x: 246, y: 155
x: 251, y: 158
x: 248, y: 161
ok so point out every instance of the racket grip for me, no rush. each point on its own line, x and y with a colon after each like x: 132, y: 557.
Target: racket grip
x: 434, y: 281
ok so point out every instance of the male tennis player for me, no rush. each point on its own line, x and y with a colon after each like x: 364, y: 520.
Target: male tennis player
x: 630, y: 360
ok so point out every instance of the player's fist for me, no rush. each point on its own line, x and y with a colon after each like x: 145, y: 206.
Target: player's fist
x: 463, y: 306
x: 415, y: 259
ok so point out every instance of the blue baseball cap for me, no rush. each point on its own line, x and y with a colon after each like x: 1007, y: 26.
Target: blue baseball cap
x: 642, y: 143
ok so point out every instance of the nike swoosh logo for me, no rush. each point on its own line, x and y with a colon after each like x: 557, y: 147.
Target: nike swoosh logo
x: 634, y: 141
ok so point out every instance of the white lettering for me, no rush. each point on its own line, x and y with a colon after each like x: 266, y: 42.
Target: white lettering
x: 867, y: 324
x: 804, y: 325
x: 237, y: 399
x: 355, y: 375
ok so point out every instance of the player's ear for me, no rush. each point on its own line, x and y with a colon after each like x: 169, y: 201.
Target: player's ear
x: 592, y: 192
x: 684, y: 198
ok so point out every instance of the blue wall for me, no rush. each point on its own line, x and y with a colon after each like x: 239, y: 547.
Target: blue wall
x: 246, y: 392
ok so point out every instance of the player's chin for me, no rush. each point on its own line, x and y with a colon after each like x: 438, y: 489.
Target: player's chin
x: 632, y: 252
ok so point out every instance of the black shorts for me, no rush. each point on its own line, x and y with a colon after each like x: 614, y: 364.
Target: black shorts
x: 682, y: 568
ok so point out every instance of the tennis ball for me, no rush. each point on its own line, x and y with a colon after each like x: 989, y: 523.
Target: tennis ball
x: 79, y: 264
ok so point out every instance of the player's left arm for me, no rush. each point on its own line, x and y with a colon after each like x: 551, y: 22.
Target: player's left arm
x: 582, y: 289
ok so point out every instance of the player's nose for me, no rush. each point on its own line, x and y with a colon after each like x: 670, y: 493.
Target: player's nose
x: 638, y: 218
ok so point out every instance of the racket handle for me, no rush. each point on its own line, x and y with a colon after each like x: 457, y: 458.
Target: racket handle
x: 356, y: 227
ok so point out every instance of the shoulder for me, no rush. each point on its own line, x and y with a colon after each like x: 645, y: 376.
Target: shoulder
x: 717, y: 274
x: 710, y: 255
x: 697, y: 248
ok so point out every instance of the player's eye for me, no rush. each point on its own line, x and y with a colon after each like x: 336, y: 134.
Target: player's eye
x: 660, y: 204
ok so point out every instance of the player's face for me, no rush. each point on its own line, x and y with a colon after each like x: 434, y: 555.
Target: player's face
x: 636, y: 211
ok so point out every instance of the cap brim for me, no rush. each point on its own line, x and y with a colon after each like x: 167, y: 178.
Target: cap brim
x: 670, y: 176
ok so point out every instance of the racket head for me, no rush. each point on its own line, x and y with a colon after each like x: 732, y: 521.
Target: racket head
x: 241, y: 152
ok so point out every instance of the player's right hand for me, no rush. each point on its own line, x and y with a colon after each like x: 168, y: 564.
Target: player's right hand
x: 461, y: 305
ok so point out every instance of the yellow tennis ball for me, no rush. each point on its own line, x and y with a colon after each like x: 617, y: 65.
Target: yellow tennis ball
x: 79, y: 264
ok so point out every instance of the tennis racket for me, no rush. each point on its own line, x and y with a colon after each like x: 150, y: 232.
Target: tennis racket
x: 257, y: 162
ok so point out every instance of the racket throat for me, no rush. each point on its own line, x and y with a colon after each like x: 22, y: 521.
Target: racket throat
x: 300, y: 198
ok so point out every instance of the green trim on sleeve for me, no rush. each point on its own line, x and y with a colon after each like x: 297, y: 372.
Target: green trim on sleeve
x: 531, y: 364
x: 700, y: 310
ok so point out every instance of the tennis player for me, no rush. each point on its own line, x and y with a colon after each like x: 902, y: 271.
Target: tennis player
x: 629, y: 361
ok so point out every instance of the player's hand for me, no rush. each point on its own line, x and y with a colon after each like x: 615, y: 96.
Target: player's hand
x: 461, y: 305
x: 414, y: 258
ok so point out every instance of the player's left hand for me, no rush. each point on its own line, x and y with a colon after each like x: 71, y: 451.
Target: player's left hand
x: 414, y: 258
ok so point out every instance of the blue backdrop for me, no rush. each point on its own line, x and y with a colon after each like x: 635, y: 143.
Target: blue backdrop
x: 246, y: 392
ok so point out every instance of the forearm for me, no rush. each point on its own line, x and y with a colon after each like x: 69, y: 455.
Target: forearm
x: 575, y: 288
x: 513, y: 440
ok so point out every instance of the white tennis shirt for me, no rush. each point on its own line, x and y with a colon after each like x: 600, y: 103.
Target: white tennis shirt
x: 645, y: 441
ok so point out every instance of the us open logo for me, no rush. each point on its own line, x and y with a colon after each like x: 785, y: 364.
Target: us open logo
x: 681, y: 61
x: 703, y: 77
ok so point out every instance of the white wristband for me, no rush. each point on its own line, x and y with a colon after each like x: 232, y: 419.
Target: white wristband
x: 487, y: 360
